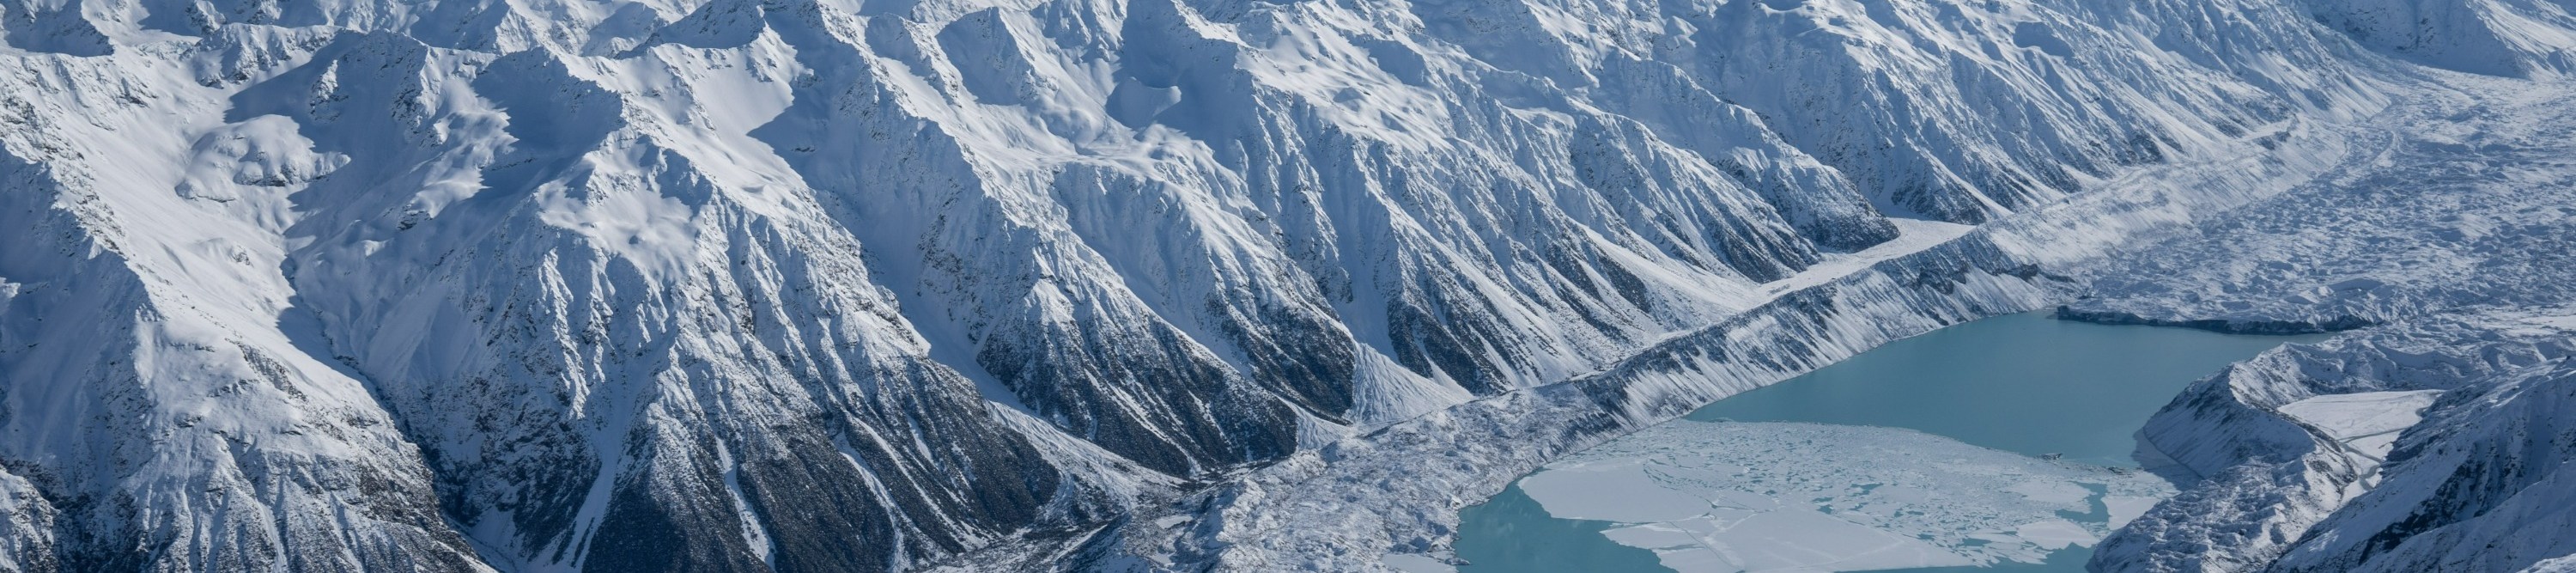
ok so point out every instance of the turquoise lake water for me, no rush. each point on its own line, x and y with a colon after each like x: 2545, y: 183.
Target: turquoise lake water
x: 2022, y: 383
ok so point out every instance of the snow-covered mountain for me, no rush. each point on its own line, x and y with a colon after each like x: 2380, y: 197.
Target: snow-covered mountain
x: 2431, y: 439
x: 2439, y: 445
x: 828, y: 285
x: 2519, y: 38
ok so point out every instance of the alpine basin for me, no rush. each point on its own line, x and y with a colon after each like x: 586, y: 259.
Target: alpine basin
x: 2071, y: 393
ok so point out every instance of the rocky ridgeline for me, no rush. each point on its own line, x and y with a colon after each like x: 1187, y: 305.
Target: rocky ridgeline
x: 868, y: 285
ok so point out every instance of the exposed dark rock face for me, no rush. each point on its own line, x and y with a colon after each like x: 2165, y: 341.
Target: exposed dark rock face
x: 823, y: 285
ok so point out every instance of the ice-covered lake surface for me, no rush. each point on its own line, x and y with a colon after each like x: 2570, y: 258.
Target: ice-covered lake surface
x: 2001, y: 444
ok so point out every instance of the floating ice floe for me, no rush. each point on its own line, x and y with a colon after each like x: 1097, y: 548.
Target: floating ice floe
x: 1815, y: 497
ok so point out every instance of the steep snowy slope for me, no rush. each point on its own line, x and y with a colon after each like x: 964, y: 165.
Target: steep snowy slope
x: 2483, y: 486
x: 2473, y: 486
x: 2448, y: 248
x: 2468, y: 206
x: 2519, y: 38
x: 605, y: 356
x: 840, y: 285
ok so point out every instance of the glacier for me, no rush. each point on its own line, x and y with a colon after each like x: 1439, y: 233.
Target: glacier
x: 2456, y: 469
x: 875, y: 285
x: 2428, y: 436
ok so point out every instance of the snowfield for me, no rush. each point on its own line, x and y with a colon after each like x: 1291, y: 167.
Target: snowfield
x: 2467, y: 206
x: 877, y: 285
x: 2433, y: 437
x: 2436, y: 444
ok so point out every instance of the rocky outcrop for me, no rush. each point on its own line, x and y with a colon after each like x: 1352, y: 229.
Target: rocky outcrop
x: 837, y: 285
x: 2267, y: 490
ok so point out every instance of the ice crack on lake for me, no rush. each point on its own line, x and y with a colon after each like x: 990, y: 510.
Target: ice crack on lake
x: 1729, y: 496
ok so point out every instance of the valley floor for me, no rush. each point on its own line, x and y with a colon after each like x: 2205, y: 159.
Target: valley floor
x: 2453, y: 207
x: 2472, y: 207
x: 1204, y: 285
x: 2430, y: 436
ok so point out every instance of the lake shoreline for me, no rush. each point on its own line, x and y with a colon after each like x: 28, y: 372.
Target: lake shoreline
x: 2053, y: 392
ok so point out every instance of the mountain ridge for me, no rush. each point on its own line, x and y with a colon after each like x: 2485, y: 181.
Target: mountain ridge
x: 823, y: 285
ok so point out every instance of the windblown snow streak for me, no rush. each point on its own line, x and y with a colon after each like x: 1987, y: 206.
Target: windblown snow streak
x: 869, y: 285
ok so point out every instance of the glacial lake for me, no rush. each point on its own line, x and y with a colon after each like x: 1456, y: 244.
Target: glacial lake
x: 1996, y: 445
